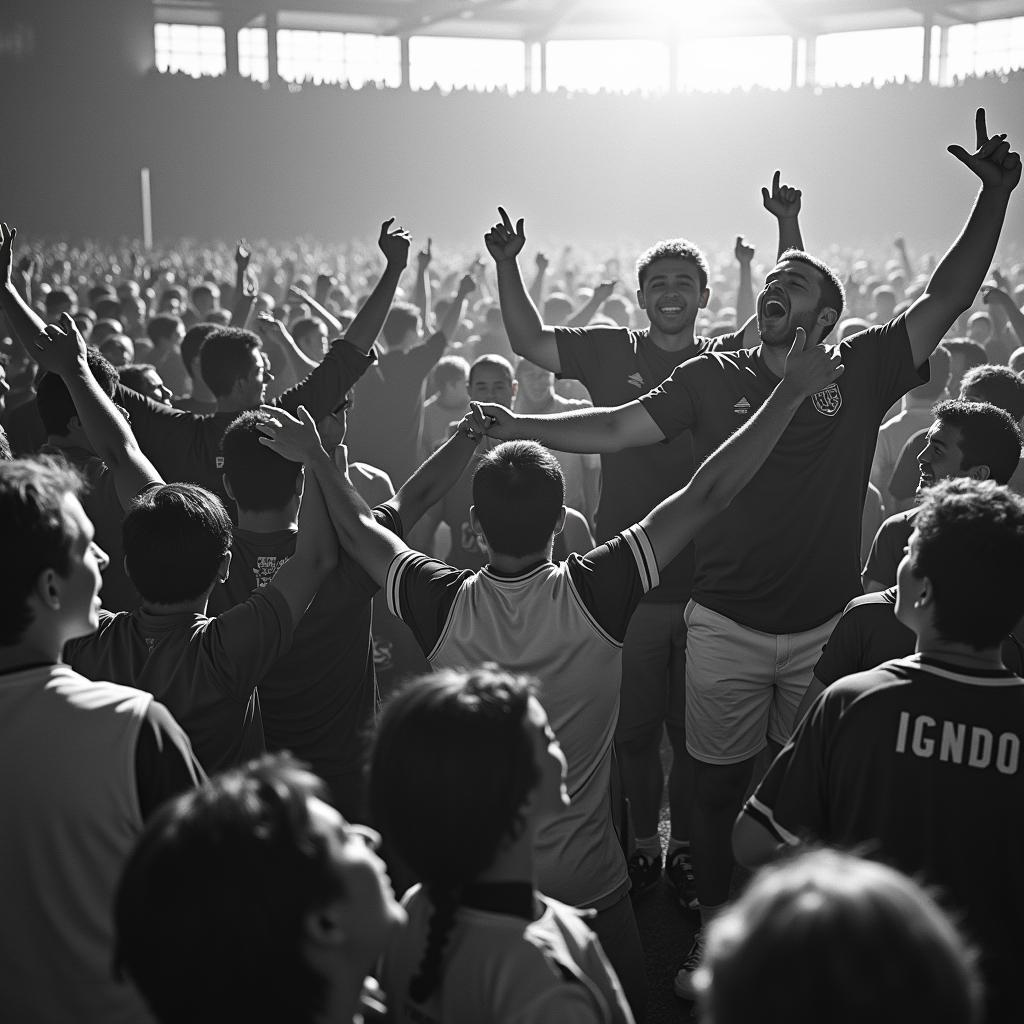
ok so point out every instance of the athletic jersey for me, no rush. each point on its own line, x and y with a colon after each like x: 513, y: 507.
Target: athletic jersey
x: 868, y: 634
x: 318, y: 699
x: 563, y: 624
x: 501, y: 968
x: 184, y: 446
x: 204, y: 669
x: 918, y: 763
x: 888, y: 546
x: 784, y: 557
x: 617, y: 366
x: 70, y: 808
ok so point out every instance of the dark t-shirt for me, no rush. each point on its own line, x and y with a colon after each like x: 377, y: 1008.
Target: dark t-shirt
x: 918, y: 763
x: 319, y: 697
x: 386, y: 420
x: 785, y: 556
x: 887, y: 548
x: 869, y: 634
x: 186, y: 448
x: 205, y: 670
x: 618, y: 366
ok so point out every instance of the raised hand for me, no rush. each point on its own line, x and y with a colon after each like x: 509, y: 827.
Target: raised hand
x: 424, y: 256
x: 603, y: 291
x: 494, y: 420
x: 394, y: 244
x: 60, y: 348
x: 744, y: 252
x: 993, y: 161
x: 242, y: 256
x: 466, y: 287
x: 292, y: 438
x: 503, y: 241
x: 7, y: 237
x: 271, y: 329
x: 1001, y: 283
x: 995, y: 296
x: 333, y: 426
x: 250, y: 284
x: 811, y: 368
x: 784, y: 201
x: 542, y: 262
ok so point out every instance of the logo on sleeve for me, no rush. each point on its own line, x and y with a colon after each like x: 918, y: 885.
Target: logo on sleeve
x: 829, y: 401
x: 742, y: 407
x: 636, y: 380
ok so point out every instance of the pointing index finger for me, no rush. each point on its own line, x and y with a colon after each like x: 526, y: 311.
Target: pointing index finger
x: 775, y: 181
x: 506, y: 220
x: 980, y: 127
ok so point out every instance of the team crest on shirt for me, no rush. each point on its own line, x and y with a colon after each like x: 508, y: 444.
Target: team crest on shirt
x: 829, y: 401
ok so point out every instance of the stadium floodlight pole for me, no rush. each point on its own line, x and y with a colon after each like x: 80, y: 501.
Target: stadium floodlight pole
x: 147, y: 209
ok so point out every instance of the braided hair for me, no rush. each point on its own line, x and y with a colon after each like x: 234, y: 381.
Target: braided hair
x: 451, y: 769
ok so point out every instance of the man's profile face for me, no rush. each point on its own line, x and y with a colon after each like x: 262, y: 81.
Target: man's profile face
x: 488, y: 383
x: 80, y: 602
x: 254, y: 383
x: 941, y: 458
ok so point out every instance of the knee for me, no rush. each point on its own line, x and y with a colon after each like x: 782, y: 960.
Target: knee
x: 720, y: 787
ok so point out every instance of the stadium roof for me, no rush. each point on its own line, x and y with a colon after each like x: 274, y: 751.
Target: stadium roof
x: 592, y: 19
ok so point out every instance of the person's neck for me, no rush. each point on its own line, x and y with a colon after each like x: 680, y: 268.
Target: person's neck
x: 344, y: 996
x: 32, y: 650
x: 195, y: 606
x: 268, y: 520
x: 514, y: 862
x: 774, y: 357
x: 933, y: 646
x: 513, y: 565
x: 672, y: 342
x: 200, y: 392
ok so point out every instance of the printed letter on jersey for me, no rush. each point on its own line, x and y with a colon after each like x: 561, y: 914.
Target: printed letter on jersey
x: 829, y: 401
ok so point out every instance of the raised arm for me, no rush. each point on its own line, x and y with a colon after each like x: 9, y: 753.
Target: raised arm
x: 587, y: 312
x: 540, y: 263
x: 527, y: 333
x: 456, y: 307
x: 319, y: 310
x: 438, y: 474
x: 25, y: 323
x: 900, y: 245
x: 783, y: 203
x: 358, y: 532
x: 745, y: 291
x: 245, y: 286
x: 672, y: 525
x: 421, y: 293
x: 363, y: 331
x: 61, y: 350
x: 996, y: 298
x: 316, y: 547
x: 955, y: 281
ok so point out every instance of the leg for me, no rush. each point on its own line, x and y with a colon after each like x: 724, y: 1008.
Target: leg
x: 680, y: 779
x: 616, y: 927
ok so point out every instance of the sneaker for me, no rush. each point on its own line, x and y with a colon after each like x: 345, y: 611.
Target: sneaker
x: 644, y: 873
x: 683, y: 985
x: 679, y: 870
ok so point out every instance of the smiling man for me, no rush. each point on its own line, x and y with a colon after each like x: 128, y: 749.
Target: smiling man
x: 774, y: 570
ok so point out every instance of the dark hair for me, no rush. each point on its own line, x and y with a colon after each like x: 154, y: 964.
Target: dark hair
x: 56, y: 299
x: 305, y: 325
x: 938, y: 375
x: 998, y: 385
x: 53, y: 400
x: 492, y: 359
x: 107, y: 308
x: 5, y: 446
x: 452, y: 766
x: 35, y: 533
x: 971, y: 352
x: 796, y: 947
x: 833, y: 295
x: 192, y: 343
x: 518, y: 492
x: 260, y: 479
x: 134, y: 376
x: 673, y: 249
x: 989, y: 436
x: 970, y: 546
x: 162, y: 326
x: 450, y: 369
x: 402, y: 318
x: 212, y: 900
x: 174, y: 539
x: 226, y: 358
x: 206, y: 289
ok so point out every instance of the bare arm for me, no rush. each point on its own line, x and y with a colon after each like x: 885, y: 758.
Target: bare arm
x: 673, y: 523
x: 908, y: 268
x: 61, y: 350
x: 359, y: 533
x: 783, y: 203
x: 586, y: 313
x: 438, y: 475
x: 537, y: 288
x: 421, y: 293
x: 996, y: 298
x: 455, y: 309
x: 363, y: 331
x: 527, y: 334
x: 955, y: 281
x: 745, y: 291
x: 321, y: 311
x: 25, y: 323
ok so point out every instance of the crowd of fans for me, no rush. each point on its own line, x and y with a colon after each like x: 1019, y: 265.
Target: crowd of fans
x: 553, y: 514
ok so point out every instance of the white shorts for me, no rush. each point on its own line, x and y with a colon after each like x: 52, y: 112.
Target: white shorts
x: 743, y: 686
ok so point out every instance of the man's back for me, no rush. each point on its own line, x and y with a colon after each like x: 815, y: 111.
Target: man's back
x: 563, y: 624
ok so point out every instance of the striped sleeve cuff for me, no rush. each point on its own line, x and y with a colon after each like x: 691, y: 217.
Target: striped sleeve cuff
x: 393, y: 584
x: 763, y: 815
x: 643, y: 553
